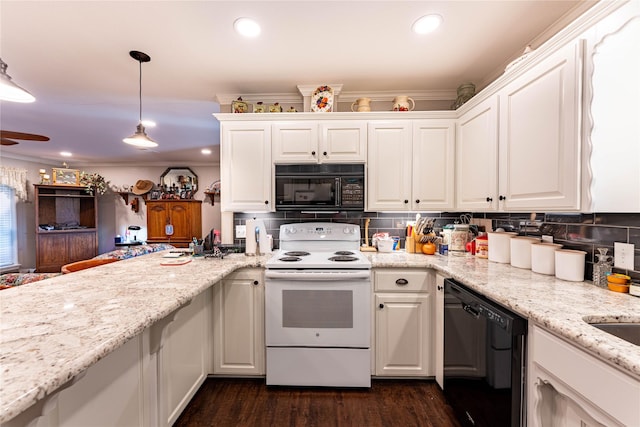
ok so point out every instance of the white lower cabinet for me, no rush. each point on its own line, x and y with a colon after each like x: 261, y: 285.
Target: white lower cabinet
x: 148, y: 381
x: 238, y: 312
x: 568, y: 387
x: 183, y: 357
x: 404, y: 322
x: 109, y: 393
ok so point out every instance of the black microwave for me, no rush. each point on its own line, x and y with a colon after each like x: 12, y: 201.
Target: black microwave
x: 323, y: 187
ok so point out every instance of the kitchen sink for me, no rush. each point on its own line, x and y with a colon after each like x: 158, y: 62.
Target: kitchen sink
x: 629, y: 332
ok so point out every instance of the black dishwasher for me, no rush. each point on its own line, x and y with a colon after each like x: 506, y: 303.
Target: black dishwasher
x: 484, y: 359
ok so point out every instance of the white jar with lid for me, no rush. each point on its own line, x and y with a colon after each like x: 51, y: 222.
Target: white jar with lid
x: 500, y: 246
x: 459, y: 239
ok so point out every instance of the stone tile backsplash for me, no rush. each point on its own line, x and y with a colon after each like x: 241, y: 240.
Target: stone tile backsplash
x: 574, y: 230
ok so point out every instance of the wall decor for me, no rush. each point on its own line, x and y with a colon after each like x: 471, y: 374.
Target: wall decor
x: 239, y: 106
x: 66, y: 176
x: 322, y: 99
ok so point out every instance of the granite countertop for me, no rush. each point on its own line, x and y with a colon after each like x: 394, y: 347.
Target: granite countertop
x: 53, y: 330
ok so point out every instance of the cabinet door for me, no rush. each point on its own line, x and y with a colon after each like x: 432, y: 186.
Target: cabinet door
x: 51, y: 252
x: 539, y: 135
x: 343, y: 142
x: 295, y: 142
x: 157, y: 218
x: 433, y: 165
x: 238, y: 312
x: 183, y: 358
x: 81, y: 246
x: 439, y: 331
x: 179, y: 217
x: 477, y: 157
x: 403, y: 335
x: 110, y: 393
x: 389, y: 166
x: 245, y: 167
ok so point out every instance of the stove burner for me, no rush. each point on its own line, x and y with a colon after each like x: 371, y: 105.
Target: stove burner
x: 296, y: 253
x: 343, y: 253
x: 343, y: 258
x: 290, y: 259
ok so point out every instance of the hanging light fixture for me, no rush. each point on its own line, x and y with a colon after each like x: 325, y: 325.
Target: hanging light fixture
x: 140, y: 138
x: 9, y: 91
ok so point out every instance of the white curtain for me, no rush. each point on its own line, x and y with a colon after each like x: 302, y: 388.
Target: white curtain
x: 15, y: 178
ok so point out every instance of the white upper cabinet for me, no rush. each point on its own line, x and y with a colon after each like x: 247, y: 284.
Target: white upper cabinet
x: 411, y: 165
x: 343, y: 141
x: 477, y: 157
x: 245, y: 167
x: 539, y: 165
x: 433, y: 164
x: 520, y: 148
x: 389, y: 166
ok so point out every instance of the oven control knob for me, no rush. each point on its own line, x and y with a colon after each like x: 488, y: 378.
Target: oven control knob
x: 291, y: 230
x: 348, y: 230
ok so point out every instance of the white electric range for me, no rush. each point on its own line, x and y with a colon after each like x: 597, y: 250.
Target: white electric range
x: 318, y: 307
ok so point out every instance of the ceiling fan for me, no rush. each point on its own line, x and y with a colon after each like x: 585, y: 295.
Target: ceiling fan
x: 7, y: 137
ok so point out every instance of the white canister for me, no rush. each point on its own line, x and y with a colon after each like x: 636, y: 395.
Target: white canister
x: 543, y: 257
x: 500, y: 246
x: 521, y: 251
x: 385, y: 245
x: 570, y: 265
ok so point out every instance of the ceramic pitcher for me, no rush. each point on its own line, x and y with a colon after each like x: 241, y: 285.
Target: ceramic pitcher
x: 361, y: 104
x: 403, y: 103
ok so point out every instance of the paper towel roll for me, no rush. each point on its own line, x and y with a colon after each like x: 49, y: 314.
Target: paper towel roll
x: 251, y: 243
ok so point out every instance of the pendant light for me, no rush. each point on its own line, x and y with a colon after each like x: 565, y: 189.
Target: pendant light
x: 140, y: 138
x: 9, y: 91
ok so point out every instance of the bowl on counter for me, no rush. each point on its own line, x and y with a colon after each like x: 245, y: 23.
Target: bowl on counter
x: 617, y: 287
x: 618, y: 279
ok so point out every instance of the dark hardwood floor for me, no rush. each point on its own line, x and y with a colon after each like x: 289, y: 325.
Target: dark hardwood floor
x: 249, y: 402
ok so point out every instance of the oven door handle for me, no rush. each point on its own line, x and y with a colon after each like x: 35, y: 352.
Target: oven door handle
x: 319, y: 275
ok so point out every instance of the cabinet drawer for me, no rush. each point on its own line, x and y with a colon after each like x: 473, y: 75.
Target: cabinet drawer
x: 403, y: 280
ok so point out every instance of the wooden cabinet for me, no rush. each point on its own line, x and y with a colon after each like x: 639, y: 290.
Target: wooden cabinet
x: 568, y: 387
x: 411, y: 165
x: 404, y: 322
x: 238, y: 313
x: 184, y: 215
x: 66, y: 226
x: 319, y: 142
x: 245, y: 167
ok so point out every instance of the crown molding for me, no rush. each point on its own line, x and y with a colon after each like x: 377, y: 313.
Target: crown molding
x: 286, y: 98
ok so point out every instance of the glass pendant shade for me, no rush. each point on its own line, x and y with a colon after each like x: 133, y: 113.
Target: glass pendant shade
x: 140, y: 138
x: 9, y: 91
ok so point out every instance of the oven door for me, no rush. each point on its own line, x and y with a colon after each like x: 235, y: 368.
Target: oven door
x: 325, y: 311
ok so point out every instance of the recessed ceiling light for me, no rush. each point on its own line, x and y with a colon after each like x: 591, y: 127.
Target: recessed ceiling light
x: 149, y: 123
x: 65, y: 154
x: 246, y: 27
x: 427, y: 24
x: 205, y: 151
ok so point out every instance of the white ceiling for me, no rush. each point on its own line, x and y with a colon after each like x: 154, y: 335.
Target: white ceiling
x: 74, y: 57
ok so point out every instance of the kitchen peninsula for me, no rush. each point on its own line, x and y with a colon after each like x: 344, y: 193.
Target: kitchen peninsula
x: 54, y: 330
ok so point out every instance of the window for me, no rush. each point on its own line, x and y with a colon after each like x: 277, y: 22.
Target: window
x: 8, y: 242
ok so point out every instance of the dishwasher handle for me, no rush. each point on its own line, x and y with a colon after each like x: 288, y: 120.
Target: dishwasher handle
x: 472, y: 311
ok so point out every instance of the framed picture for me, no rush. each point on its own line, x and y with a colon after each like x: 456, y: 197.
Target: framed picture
x: 65, y: 176
x: 154, y: 195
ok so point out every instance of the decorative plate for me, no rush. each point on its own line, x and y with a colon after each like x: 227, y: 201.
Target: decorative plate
x: 322, y: 99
